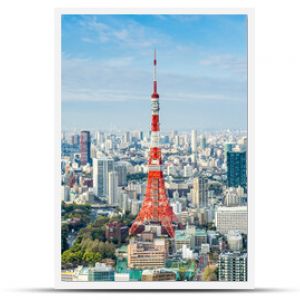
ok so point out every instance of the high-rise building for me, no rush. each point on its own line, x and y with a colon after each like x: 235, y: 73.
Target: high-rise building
x: 99, y: 138
x: 203, y: 142
x: 122, y: 174
x: 227, y: 148
x: 101, y: 167
x: 75, y: 139
x: 231, y: 218
x: 232, y: 267
x: 124, y: 201
x: 200, y: 192
x: 113, y: 188
x: 85, y: 147
x: 237, y: 169
x: 126, y: 137
x: 194, y: 141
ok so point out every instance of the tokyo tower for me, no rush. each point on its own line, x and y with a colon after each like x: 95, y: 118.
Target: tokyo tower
x: 156, y: 208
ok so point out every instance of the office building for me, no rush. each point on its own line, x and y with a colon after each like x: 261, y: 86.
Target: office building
x: 234, y: 241
x: 232, y: 266
x: 232, y: 197
x: 203, y: 144
x: 227, y: 148
x: 101, y: 168
x: 147, y: 251
x: 101, y: 272
x: 122, y: 174
x: 194, y: 141
x: 85, y: 147
x: 159, y: 275
x: 231, y: 218
x: 237, y: 168
x: 187, y: 171
x: 200, y: 192
x: 113, y: 198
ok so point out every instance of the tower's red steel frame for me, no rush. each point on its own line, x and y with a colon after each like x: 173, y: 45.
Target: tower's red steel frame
x: 156, y: 208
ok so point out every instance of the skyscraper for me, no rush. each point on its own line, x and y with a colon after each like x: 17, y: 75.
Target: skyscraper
x: 200, y: 192
x: 113, y: 188
x: 122, y: 174
x: 203, y: 142
x: 236, y: 169
x: 227, y: 148
x: 194, y: 141
x: 85, y: 147
x: 99, y: 138
x: 101, y: 168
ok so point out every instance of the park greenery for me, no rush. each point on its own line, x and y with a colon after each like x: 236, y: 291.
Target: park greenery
x: 74, y: 217
x: 90, y: 245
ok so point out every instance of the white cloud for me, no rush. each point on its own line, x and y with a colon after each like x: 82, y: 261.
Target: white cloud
x: 120, y: 80
x: 235, y: 64
x: 127, y: 33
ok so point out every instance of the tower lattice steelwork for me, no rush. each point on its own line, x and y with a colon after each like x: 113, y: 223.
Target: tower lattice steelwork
x: 156, y: 208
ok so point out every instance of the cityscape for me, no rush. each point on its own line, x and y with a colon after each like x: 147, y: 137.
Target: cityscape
x: 154, y: 204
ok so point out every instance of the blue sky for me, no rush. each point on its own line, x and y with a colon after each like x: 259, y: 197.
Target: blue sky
x: 107, y: 71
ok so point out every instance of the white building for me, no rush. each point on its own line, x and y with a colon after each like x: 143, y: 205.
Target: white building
x: 194, y: 141
x: 231, y: 197
x: 177, y: 207
x: 187, y: 253
x: 205, y: 248
x: 235, y: 241
x: 135, y: 207
x: 65, y: 193
x: 122, y: 277
x: 124, y: 202
x: 113, y: 188
x: 188, y: 171
x: 101, y: 167
x: 231, y: 218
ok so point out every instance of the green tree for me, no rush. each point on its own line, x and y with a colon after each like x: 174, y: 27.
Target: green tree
x: 182, y: 271
x: 64, y: 236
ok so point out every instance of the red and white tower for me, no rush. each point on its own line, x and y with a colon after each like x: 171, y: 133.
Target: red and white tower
x: 155, y: 208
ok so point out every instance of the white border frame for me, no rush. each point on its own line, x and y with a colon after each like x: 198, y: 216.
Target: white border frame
x: 141, y: 285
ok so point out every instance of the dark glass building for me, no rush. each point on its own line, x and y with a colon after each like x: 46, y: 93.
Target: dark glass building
x: 85, y: 147
x: 237, y: 169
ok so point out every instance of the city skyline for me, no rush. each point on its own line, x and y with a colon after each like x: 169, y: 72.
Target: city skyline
x: 106, y: 79
x: 152, y: 207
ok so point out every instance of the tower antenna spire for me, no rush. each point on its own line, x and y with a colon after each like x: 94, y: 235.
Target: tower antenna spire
x: 155, y: 94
